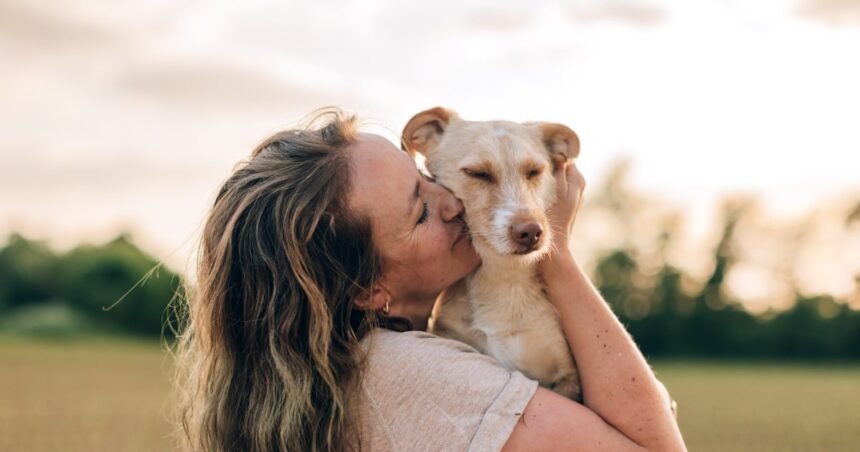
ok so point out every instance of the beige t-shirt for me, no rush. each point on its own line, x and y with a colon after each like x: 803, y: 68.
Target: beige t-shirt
x: 421, y: 392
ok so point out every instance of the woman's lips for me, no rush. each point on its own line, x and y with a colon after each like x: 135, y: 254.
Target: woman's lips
x: 460, y: 237
x: 463, y: 233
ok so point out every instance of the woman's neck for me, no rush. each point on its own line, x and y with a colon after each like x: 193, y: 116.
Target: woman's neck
x: 416, y: 309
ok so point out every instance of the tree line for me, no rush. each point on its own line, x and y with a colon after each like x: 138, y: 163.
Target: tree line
x: 666, y: 320
x: 115, y: 287
x: 110, y: 288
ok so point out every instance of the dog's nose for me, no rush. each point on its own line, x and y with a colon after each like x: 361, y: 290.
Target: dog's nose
x: 527, y: 234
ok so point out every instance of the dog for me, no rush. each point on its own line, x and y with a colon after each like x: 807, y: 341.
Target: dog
x: 503, y: 173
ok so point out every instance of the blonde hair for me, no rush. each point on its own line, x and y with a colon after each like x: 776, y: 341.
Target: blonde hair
x: 269, y: 354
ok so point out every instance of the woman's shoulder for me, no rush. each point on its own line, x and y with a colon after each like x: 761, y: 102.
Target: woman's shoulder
x: 421, y: 365
x: 419, y: 384
x: 414, y: 344
x: 418, y: 357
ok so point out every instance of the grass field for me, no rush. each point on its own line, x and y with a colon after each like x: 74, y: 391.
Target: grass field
x: 112, y: 396
x: 87, y: 396
x: 766, y: 407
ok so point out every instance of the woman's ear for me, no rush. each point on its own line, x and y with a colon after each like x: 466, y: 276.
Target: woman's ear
x: 376, y: 299
x: 424, y: 131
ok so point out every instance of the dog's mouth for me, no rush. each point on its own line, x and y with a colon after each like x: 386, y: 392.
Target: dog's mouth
x: 525, y: 251
x: 537, y: 248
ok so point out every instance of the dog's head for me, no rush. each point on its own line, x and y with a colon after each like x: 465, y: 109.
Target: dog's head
x: 502, y: 171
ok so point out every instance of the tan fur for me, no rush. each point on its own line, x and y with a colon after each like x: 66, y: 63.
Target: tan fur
x: 502, y: 171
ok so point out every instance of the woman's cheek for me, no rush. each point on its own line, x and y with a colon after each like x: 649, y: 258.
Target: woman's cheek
x: 442, y: 240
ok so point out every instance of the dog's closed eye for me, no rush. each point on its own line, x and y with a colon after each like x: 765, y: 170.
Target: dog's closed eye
x: 480, y: 174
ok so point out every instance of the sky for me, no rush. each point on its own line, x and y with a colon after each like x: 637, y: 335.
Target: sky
x: 126, y: 116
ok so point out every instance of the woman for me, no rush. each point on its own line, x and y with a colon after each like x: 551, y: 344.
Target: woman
x: 319, y: 265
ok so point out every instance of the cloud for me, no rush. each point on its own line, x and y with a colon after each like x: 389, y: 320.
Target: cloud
x: 211, y: 85
x: 499, y: 21
x: 630, y: 13
x: 120, y: 170
x: 839, y: 12
x: 32, y: 28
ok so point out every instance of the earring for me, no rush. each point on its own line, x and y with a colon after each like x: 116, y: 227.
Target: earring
x: 385, y: 308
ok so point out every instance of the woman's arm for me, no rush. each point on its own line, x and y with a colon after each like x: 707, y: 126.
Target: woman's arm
x: 625, y: 407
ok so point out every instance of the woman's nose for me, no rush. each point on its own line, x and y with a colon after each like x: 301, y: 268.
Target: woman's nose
x: 450, y: 206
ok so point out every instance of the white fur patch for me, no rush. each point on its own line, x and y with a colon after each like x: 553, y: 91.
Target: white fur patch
x: 502, y: 221
x: 502, y: 218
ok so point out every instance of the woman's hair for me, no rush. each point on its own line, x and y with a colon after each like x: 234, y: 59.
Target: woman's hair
x: 269, y: 358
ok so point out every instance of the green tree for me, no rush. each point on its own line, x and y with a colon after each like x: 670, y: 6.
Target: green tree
x: 118, y: 285
x: 26, y: 272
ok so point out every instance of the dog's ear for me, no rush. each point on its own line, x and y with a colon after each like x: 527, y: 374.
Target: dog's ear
x: 423, y: 131
x: 561, y: 142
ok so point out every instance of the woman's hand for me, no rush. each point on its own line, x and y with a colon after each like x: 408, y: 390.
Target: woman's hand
x: 569, y: 188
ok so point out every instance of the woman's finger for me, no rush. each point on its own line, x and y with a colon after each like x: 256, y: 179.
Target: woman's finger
x: 561, y: 175
x: 574, y: 177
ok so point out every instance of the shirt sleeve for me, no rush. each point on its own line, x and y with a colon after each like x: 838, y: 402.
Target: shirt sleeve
x: 424, y: 392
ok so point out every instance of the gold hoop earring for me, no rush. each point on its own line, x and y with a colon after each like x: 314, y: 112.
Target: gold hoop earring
x: 385, y: 308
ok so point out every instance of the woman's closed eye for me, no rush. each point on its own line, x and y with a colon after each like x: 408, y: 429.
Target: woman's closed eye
x: 424, y: 214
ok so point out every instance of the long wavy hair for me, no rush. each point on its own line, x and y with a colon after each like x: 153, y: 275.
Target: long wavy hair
x: 268, y: 355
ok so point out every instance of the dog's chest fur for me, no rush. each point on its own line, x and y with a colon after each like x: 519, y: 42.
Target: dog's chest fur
x: 502, y: 310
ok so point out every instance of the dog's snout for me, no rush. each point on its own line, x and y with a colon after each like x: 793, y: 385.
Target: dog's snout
x: 527, y: 234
